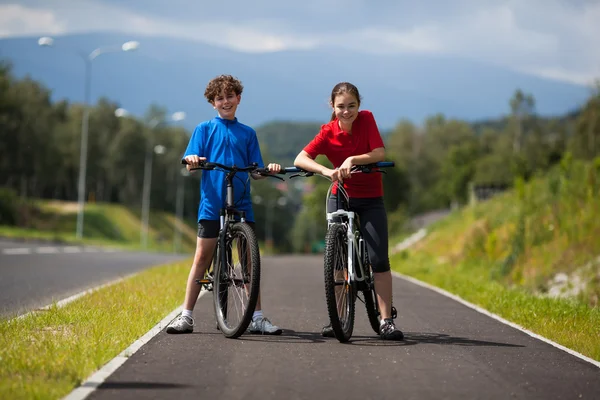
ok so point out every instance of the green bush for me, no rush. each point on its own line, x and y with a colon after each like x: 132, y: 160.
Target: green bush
x: 9, y: 206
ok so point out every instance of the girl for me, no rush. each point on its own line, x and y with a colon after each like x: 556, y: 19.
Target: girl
x: 352, y: 138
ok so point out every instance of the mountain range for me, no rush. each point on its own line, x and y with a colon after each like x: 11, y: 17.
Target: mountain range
x: 282, y: 86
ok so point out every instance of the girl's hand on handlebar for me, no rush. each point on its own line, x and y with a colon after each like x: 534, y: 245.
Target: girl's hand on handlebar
x: 333, y: 174
x: 274, y: 168
x: 193, y: 161
x: 345, y: 168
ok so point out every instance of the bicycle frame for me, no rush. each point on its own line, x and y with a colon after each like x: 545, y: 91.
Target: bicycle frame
x: 352, y: 243
x: 229, y: 212
x: 354, y: 247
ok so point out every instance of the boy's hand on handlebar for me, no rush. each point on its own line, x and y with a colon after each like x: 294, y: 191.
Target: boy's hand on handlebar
x: 193, y: 161
x: 274, y: 168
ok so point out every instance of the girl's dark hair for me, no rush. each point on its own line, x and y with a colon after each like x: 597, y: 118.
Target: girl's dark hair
x: 343, y: 87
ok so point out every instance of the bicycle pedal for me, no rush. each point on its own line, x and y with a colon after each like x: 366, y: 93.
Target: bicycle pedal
x: 203, y: 281
x: 394, y: 312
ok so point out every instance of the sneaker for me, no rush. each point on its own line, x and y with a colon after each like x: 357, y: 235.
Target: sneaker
x: 327, y: 331
x: 263, y: 326
x: 388, y: 331
x: 181, y: 324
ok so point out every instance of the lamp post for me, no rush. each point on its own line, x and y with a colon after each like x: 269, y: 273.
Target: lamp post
x: 179, y: 206
x: 150, y: 149
x: 87, y: 58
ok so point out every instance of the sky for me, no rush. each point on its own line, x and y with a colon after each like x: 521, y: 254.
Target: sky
x: 556, y: 39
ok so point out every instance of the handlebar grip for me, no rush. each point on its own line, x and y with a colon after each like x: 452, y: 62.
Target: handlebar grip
x: 290, y: 170
x: 383, y: 164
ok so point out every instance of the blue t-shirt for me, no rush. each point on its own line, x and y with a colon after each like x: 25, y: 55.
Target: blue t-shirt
x: 227, y: 142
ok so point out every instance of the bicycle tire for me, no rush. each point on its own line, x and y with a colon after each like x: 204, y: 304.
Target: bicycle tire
x: 232, y: 276
x: 370, y: 297
x: 336, y: 263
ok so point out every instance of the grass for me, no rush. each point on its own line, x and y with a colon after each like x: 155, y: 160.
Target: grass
x: 570, y: 323
x: 501, y: 254
x: 47, y: 354
x: 104, y: 225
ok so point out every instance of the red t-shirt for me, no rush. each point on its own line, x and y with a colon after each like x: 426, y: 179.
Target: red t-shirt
x: 338, y: 145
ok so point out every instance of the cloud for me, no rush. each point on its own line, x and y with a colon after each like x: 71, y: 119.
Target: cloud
x: 16, y: 20
x: 554, y: 39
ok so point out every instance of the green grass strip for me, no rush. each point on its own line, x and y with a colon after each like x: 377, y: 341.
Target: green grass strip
x: 566, y: 322
x: 47, y: 354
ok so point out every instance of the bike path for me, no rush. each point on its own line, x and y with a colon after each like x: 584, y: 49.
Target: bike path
x: 450, y: 352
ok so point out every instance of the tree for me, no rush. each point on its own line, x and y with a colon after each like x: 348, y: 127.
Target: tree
x: 522, y: 106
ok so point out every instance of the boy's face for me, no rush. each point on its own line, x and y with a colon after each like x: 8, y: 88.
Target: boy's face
x: 226, y: 104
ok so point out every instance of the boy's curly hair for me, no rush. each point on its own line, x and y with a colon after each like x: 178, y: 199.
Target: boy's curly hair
x: 216, y: 86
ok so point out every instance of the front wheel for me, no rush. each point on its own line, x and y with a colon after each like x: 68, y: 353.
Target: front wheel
x: 340, y: 294
x: 236, y: 280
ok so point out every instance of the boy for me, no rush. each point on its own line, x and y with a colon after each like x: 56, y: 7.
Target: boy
x: 227, y: 141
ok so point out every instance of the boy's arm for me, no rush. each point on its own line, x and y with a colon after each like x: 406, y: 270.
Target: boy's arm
x: 194, y: 148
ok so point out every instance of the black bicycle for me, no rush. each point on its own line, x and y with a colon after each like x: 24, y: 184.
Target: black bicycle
x: 348, y: 272
x: 234, y: 274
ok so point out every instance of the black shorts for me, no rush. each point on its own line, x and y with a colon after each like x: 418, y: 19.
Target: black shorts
x: 373, y: 226
x: 209, y: 229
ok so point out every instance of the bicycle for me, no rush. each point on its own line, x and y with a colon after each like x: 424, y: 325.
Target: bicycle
x: 347, y: 267
x: 234, y: 274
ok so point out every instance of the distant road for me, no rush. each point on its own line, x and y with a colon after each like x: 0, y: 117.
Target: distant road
x: 33, y: 275
x: 428, y: 218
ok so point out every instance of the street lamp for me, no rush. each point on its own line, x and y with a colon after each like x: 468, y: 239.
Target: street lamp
x: 151, y: 148
x: 87, y: 58
x: 179, y: 206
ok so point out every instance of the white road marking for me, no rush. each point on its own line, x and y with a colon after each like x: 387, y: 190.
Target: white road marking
x: 16, y: 251
x: 47, y: 250
x: 56, y: 250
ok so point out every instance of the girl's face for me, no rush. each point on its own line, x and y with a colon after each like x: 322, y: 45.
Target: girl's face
x: 345, y: 107
x: 226, y: 104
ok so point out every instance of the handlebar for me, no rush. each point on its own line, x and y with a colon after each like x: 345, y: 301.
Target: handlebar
x: 366, y: 168
x: 207, y: 165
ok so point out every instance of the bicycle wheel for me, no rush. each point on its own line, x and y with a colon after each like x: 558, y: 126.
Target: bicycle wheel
x: 339, y: 293
x: 237, y: 280
x: 371, y: 300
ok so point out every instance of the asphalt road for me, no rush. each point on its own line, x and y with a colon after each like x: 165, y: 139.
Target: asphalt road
x: 33, y: 275
x: 450, y: 352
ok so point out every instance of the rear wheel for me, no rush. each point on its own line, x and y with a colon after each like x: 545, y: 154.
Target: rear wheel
x: 371, y: 300
x: 340, y: 294
x: 236, y: 280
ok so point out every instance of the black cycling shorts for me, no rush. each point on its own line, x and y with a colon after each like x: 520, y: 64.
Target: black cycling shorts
x: 373, y: 226
x: 209, y: 229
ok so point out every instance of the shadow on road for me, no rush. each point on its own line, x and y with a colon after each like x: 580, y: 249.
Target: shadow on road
x: 139, y: 385
x: 440, y: 338
x: 288, y: 336
x: 414, y: 338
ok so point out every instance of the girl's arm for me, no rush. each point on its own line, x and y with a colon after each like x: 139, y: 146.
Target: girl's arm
x: 371, y: 157
x: 305, y: 161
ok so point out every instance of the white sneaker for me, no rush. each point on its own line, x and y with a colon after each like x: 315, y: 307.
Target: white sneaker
x: 181, y: 324
x: 263, y: 326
